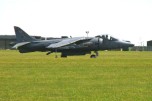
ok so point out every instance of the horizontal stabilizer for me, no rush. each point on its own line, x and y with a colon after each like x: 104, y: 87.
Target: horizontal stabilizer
x: 20, y: 44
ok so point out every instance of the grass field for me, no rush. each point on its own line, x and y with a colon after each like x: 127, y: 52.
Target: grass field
x: 113, y: 76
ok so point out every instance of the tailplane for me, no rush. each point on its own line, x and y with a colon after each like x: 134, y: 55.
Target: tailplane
x: 22, y: 36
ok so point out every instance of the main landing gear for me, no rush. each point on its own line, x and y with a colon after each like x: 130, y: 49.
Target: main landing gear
x: 63, y: 55
x: 94, y: 55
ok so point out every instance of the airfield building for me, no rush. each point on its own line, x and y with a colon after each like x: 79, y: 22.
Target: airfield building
x: 143, y: 48
x: 149, y: 43
x: 7, y: 41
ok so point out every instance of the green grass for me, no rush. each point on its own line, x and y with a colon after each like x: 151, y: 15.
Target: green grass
x: 113, y: 76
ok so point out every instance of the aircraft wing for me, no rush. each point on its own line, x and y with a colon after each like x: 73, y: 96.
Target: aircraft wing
x: 68, y: 41
x: 20, y: 44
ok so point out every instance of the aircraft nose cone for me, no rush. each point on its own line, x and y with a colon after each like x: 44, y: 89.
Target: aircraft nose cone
x: 123, y: 44
x: 131, y: 45
x: 128, y: 44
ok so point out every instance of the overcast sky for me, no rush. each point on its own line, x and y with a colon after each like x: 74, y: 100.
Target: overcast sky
x: 124, y: 19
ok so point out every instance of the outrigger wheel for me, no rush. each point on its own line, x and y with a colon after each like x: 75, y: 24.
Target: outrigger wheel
x: 93, y: 56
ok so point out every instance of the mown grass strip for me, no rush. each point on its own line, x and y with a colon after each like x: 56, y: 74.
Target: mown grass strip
x: 112, y: 76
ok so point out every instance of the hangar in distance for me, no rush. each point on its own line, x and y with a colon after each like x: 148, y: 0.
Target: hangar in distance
x: 68, y: 46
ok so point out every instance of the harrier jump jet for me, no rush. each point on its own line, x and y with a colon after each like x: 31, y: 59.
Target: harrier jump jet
x: 68, y: 46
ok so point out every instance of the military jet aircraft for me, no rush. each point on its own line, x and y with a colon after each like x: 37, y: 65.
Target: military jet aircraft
x: 68, y: 46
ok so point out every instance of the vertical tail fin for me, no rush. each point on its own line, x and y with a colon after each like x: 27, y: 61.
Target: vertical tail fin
x: 22, y: 36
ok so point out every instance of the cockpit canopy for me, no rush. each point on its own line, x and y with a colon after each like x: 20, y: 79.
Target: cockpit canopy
x: 107, y: 37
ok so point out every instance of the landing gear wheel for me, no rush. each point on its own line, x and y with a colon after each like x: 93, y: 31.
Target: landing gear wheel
x: 93, y: 56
